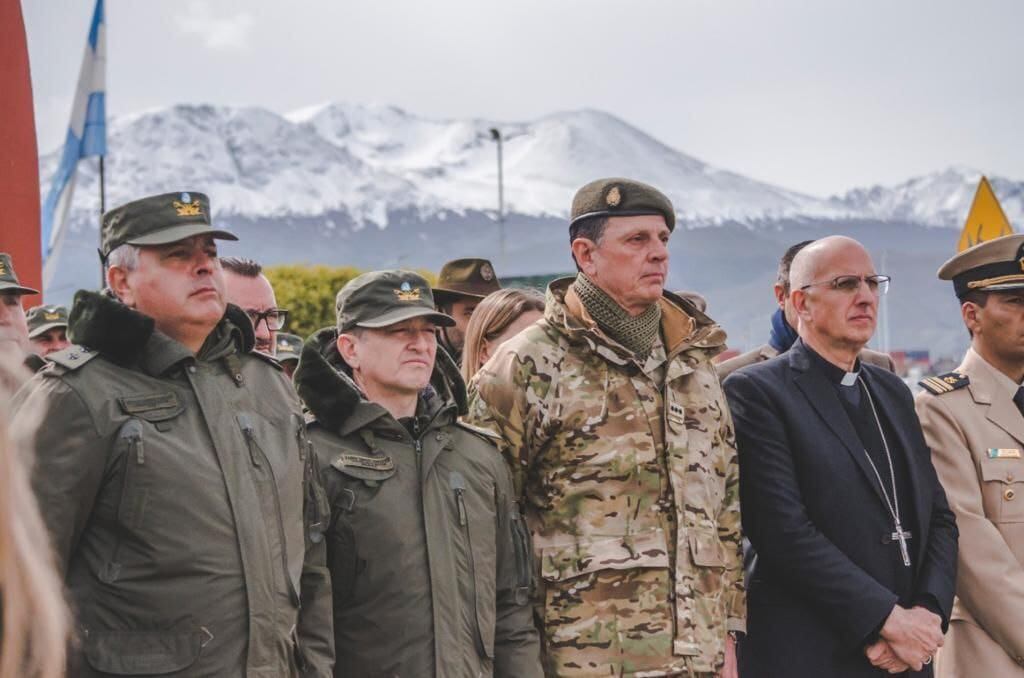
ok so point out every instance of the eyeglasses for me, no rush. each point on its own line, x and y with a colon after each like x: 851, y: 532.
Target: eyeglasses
x: 877, y: 284
x: 275, y: 318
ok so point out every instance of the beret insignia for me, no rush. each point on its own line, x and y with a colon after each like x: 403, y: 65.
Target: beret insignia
x: 614, y: 197
x: 944, y: 383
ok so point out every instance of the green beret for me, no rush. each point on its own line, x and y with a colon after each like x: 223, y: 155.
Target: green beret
x: 42, y: 319
x: 465, y: 278
x: 383, y: 298
x: 617, y: 197
x: 159, y: 220
x: 9, y: 283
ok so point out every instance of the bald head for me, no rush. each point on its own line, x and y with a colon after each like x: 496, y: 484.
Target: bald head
x: 812, y: 263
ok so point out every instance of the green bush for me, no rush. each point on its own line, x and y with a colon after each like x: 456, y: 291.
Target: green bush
x: 308, y: 293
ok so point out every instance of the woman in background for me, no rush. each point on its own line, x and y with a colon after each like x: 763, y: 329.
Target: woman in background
x: 35, y: 620
x: 498, y: 318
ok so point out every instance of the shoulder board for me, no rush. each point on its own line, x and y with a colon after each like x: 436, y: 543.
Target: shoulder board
x: 72, y: 357
x: 267, y: 358
x: 944, y: 383
x: 485, y: 433
x: 309, y: 418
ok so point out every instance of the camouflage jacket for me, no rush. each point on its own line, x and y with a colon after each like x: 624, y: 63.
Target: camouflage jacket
x: 631, y: 490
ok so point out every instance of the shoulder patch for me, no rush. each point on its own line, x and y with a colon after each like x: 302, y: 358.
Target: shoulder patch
x: 944, y: 383
x: 72, y: 357
x: 485, y: 433
x: 267, y: 358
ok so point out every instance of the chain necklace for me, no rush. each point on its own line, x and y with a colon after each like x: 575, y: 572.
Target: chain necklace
x: 893, y: 504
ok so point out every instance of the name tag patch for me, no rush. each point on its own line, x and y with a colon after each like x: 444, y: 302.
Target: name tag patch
x: 1003, y: 453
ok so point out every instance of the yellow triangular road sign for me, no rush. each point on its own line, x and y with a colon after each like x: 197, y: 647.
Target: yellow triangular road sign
x: 986, y: 220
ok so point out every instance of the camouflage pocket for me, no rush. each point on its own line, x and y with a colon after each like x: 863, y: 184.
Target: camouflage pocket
x: 584, y: 555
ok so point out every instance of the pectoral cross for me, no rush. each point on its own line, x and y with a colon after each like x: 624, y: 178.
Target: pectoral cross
x: 902, y: 537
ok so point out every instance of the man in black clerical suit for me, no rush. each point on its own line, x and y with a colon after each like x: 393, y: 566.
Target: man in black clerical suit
x: 857, y: 545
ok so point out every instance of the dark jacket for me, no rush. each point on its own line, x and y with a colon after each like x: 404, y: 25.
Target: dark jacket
x: 813, y: 511
x: 428, y: 555
x: 174, y: 488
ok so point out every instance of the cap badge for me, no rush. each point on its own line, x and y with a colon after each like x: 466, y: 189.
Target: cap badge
x: 614, y: 197
x: 486, y: 272
x: 49, y: 315
x: 187, y: 208
x: 3, y: 268
x: 407, y: 292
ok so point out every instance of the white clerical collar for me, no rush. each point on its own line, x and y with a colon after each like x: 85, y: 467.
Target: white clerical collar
x: 850, y: 378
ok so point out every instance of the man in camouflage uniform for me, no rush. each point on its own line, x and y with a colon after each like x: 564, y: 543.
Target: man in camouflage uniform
x: 622, y: 448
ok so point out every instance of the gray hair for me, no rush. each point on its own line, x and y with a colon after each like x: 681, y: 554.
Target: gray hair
x: 124, y: 256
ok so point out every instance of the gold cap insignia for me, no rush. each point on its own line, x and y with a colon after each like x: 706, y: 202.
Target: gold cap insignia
x: 614, y: 197
x: 186, y: 207
x: 407, y: 292
x: 51, y: 316
x: 486, y: 272
x: 3, y: 268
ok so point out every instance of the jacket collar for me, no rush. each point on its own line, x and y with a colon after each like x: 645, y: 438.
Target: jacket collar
x: 986, y: 389
x: 324, y: 382
x: 683, y: 325
x: 100, y: 322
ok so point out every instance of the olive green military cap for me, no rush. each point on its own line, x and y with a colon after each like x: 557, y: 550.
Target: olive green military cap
x: 159, y: 220
x: 618, y: 197
x: 289, y: 346
x: 9, y: 279
x: 991, y: 266
x: 42, y: 319
x: 465, y: 278
x: 382, y: 298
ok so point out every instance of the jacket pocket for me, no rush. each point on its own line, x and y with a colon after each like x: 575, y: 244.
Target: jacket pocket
x: 142, y: 653
x: 1003, y: 489
x: 131, y: 503
x: 480, y: 531
x: 585, y: 555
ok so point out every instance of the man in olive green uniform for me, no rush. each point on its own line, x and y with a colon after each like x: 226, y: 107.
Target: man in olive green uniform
x: 784, y: 327
x: 427, y: 552
x: 175, y: 475
x: 623, y: 449
x: 48, y: 329
x: 973, y: 422
x: 461, y: 285
x: 13, y: 326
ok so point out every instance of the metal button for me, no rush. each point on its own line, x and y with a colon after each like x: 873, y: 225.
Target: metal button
x: 192, y: 369
x: 1009, y: 495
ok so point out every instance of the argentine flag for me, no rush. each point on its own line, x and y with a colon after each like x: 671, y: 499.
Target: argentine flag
x: 87, y: 134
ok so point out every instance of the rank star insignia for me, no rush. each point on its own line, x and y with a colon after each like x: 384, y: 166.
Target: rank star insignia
x: 614, y: 197
x: 407, y: 293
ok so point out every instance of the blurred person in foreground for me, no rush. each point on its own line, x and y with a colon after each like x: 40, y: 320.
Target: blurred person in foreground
x: 176, y: 479
x: 620, y: 440
x: 35, y: 618
x: 856, y: 544
x: 13, y: 324
x: 973, y: 421
x: 246, y: 287
x: 499, y: 317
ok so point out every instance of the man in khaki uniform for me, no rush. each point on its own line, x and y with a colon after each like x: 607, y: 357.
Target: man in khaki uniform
x: 622, y: 448
x: 461, y: 285
x: 783, y: 329
x: 973, y: 424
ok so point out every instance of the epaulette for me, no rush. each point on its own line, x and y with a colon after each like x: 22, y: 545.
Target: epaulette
x: 267, y: 358
x: 309, y: 418
x: 944, y: 383
x: 72, y: 357
x: 485, y: 433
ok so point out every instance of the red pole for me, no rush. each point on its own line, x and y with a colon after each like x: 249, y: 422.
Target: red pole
x: 19, y: 158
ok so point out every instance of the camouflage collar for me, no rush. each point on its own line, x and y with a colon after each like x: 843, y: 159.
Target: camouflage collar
x: 324, y: 382
x: 683, y: 325
x: 100, y: 322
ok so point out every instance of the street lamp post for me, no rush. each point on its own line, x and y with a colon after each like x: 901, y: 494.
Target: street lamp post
x: 496, y: 136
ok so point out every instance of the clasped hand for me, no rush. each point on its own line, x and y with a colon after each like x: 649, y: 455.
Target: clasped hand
x: 909, y: 640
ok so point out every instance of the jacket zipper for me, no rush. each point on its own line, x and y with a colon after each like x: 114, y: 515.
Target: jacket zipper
x: 136, y: 450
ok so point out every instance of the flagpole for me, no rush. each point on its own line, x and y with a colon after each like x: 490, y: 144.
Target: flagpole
x: 99, y: 231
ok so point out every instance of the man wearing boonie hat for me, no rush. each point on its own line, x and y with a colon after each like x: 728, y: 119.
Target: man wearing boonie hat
x: 461, y: 285
x: 48, y: 329
x: 973, y: 422
x: 176, y: 479
x: 427, y: 551
x: 622, y: 446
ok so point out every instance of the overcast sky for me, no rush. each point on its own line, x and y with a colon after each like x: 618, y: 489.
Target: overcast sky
x: 815, y: 96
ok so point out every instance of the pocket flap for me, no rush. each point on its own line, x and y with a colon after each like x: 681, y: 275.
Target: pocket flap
x: 365, y: 467
x: 1006, y: 470
x: 706, y: 549
x: 142, y: 653
x: 152, y: 407
x: 648, y: 549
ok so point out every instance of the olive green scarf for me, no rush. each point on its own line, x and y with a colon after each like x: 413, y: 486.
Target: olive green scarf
x: 636, y: 333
